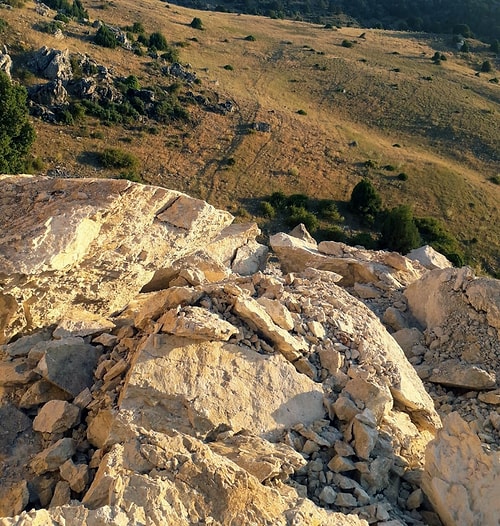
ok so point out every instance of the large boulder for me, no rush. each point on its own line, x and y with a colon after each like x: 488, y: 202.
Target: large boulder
x: 460, y: 478
x: 197, y: 387
x: 429, y: 258
x: 68, y: 241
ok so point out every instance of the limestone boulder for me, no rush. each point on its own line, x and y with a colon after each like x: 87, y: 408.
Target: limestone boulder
x: 460, y: 479
x: 53, y: 64
x: 429, y: 258
x: 56, y: 416
x: 68, y: 241
x: 465, y: 376
x: 198, y: 386
x: 51, y: 458
x: 355, y: 265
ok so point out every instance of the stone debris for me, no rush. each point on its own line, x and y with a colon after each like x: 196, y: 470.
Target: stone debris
x: 270, y: 396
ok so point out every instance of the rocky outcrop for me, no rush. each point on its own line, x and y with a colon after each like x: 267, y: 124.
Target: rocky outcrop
x: 176, y: 378
x: 52, y: 64
x: 84, y: 235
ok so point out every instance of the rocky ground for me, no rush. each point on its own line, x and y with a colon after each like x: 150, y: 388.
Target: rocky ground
x: 232, y: 387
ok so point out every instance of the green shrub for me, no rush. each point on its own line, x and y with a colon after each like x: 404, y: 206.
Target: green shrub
x: 302, y: 112
x: 299, y: 215
x: 334, y: 233
x: 399, y: 231
x: 495, y: 179
x: 116, y: 158
x: 3, y: 25
x: 35, y: 165
x: 228, y: 67
x: 62, y: 18
x: 278, y: 200
x: 364, y: 239
x: 267, y: 209
x: 250, y: 38
x: 327, y: 209
x: 16, y: 133
x: 105, y: 37
x: 136, y: 28
x: 298, y: 201
x: 158, y: 41
x: 403, y: 177
x: 347, y: 43
x: 171, y: 55
x: 196, y: 23
x: 50, y: 28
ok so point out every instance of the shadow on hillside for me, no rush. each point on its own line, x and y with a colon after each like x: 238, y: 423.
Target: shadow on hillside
x: 89, y: 158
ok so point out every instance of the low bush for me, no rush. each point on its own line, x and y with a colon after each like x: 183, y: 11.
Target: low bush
x: 278, y: 200
x: 131, y: 176
x: 267, y: 209
x: 327, y: 209
x: 158, y: 41
x: 51, y: 27
x: 116, y: 158
x: 399, y: 231
x: 298, y: 201
x: 298, y: 214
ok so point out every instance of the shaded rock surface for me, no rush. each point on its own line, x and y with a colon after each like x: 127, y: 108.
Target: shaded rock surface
x: 221, y: 393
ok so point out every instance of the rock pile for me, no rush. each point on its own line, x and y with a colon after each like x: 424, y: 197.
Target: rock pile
x: 223, y: 391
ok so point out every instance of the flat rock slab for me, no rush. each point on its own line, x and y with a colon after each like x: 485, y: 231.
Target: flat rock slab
x: 197, y: 386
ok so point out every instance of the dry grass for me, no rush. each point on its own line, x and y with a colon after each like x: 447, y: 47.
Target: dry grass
x: 374, y: 94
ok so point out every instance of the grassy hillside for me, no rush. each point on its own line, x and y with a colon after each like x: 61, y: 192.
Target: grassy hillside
x: 330, y: 108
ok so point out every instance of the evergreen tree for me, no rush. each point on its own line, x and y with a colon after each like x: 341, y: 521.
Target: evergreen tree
x: 365, y: 200
x: 399, y: 231
x: 16, y: 132
x: 105, y: 37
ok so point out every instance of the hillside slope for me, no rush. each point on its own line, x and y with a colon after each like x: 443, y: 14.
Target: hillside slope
x: 381, y: 100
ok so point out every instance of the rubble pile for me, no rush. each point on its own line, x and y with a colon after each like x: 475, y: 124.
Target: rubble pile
x: 226, y: 390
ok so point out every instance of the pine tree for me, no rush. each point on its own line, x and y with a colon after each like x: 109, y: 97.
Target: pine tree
x: 399, y: 231
x: 16, y: 132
